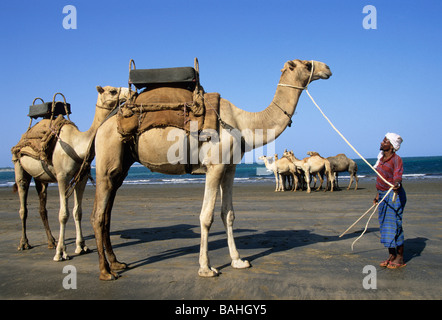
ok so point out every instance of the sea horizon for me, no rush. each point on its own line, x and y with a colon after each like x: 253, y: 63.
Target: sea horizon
x: 426, y: 167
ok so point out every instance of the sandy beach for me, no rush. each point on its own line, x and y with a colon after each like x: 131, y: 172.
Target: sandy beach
x: 291, y: 240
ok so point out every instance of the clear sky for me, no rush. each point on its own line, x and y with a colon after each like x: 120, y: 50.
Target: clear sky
x: 384, y: 80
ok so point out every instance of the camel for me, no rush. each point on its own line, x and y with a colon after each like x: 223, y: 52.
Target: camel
x: 311, y: 166
x: 114, y: 158
x: 341, y: 163
x: 286, y: 169
x: 271, y: 167
x: 318, y: 175
x: 67, y: 158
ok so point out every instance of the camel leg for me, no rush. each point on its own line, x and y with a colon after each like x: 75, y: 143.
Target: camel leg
x: 43, y: 195
x: 314, y: 180
x: 102, y: 208
x: 354, y: 177
x: 100, y: 219
x: 22, y: 181
x: 351, y: 181
x: 281, y: 183
x: 276, y: 181
x: 295, y: 182
x: 97, y: 220
x: 102, y: 196
x: 78, y: 214
x: 213, y: 179
x: 307, y: 181
x: 110, y: 172
x: 228, y: 216
x: 321, y: 181
x: 336, y: 175
x: 331, y: 179
x: 63, y: 217
x: 115, y: 265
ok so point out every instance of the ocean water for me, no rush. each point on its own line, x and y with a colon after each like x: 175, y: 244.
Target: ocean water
x: 414, y: 168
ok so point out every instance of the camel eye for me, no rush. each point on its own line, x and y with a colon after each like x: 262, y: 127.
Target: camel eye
x: 113, y: 92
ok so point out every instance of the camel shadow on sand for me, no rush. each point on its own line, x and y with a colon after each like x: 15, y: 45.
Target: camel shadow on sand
x: 269, y: 242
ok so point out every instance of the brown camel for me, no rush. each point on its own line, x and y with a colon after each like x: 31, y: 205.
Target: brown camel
x: 114, y: 158
x: 69, y: 152
x: 341, y: 163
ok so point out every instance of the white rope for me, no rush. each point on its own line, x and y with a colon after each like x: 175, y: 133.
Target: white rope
x: 388, y: 183
x: 306, y: 90
x: 368, y: 221
x: 358, y: 220
x: 320, y: 110
x: 342, y: 136
x: 290, y: 86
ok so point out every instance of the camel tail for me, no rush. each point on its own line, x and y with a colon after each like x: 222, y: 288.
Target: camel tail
x: 14, y: 188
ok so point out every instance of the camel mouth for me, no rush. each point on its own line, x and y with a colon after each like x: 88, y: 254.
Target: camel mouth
x: 325, y: 75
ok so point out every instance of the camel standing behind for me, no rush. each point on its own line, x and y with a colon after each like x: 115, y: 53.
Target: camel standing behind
x: 271, y: 166
x: 341, y: 163
x: 311, y: 166
x: 62, y: 169
x: 286, y: 169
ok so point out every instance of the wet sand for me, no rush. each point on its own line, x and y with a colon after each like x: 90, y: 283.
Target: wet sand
x: 291, y: 240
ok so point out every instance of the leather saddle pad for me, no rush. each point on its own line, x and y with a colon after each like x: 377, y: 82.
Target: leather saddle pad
x: 166, y: 107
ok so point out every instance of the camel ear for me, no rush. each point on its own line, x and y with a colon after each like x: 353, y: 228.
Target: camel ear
x: 289, y: 65
x: 308, y: 64
x: 100, y: 89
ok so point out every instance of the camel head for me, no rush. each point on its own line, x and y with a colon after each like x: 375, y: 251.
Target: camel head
x: 296, y: 71
x: 313, y: 153
x: 286, y: 153
x: 109, y: 97
x: 265, y: 158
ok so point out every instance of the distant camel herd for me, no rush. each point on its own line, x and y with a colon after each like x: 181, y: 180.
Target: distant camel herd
x: 292, y: 173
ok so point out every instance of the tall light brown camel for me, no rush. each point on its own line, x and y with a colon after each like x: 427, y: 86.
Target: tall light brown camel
x: 114, y: 158
x: 71, y: 144
x: 341, y: 163
x: 270, y: 165
x: 311, y: 166
x: 317, y: 175
x: 286, y: 169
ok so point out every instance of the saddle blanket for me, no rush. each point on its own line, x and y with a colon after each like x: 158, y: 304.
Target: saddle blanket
x: 167, y: 107
x: 39, y: 141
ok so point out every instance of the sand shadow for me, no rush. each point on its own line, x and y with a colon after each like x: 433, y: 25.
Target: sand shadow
x: 414, y: 248
x: 269, y: 242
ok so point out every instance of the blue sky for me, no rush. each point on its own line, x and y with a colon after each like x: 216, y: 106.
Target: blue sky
x: 384, y: 80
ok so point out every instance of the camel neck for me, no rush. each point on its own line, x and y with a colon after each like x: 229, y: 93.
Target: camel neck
x: 273, y: 120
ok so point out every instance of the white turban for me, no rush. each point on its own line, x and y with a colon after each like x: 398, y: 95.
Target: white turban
x: 395, y: 141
